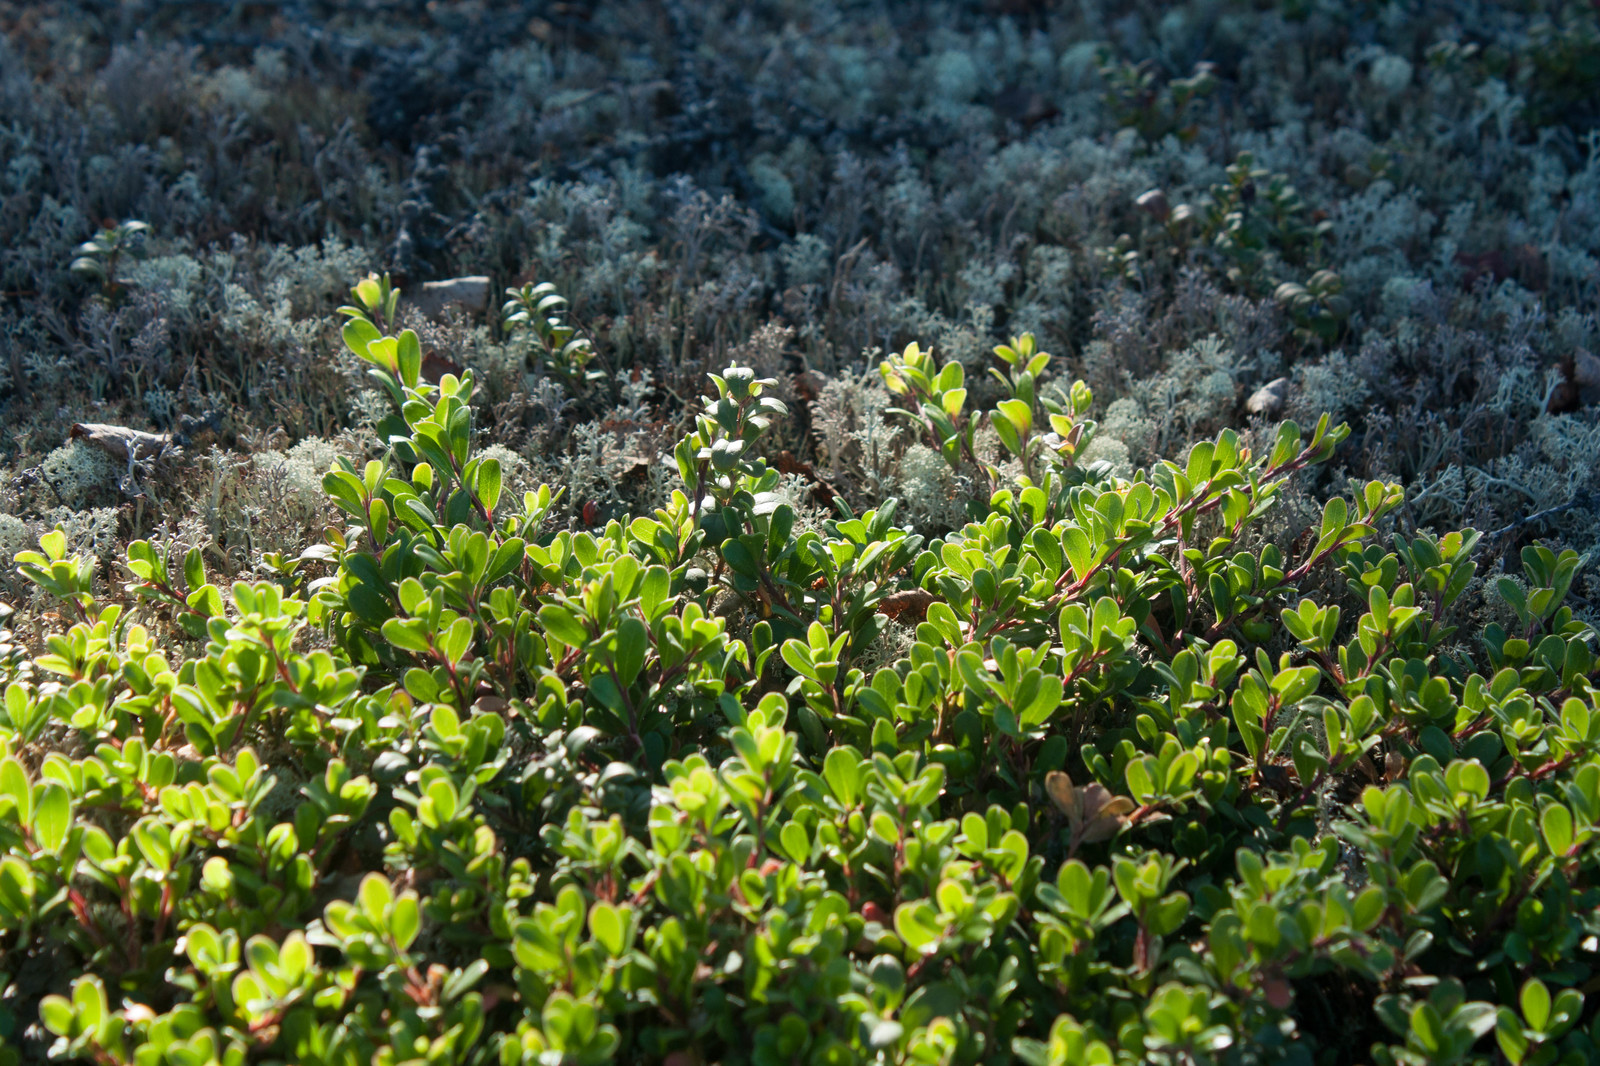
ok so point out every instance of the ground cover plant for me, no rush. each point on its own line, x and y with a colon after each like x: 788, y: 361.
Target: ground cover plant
x: 971, y: 532
x: 554, y: 810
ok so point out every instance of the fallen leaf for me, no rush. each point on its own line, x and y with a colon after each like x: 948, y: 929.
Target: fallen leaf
x: 1059, y: 786
x: 1104, y: 814
x: 915, y: 601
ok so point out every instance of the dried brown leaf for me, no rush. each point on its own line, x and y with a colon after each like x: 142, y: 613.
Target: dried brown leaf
x: 1103, y: 813
x: 1059, y: 786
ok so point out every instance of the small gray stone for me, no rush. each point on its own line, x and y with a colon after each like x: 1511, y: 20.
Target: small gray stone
x: 471, y: 294
x: 1154, y: 203
x: 1585, y: 369
x: 1268, y: 400
x: 120, y: 441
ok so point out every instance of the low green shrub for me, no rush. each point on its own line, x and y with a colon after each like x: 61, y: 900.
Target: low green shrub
x: 1106, y: 776
x: 97, y: 258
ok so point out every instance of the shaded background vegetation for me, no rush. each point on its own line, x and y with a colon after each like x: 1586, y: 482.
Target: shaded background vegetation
x: 795, y: 186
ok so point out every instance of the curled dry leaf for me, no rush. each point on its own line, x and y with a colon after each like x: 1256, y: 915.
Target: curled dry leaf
x: 823, y: 493
x: 912, y: 601
x: 1093, y: 812
x: 1059, y: 786
x: 1103, y: 813
x: 1394, y: 765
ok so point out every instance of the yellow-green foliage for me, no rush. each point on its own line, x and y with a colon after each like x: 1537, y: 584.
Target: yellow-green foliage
x: 451, y: 787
